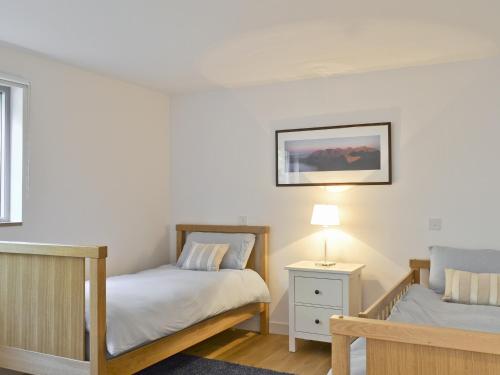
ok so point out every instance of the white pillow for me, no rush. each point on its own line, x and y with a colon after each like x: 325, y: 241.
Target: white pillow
x: 240, y: 246
x: 202, y: 256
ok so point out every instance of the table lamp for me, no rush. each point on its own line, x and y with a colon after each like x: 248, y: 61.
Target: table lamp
x: 325, y: 215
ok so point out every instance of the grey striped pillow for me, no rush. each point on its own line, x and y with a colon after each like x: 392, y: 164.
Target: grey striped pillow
x: 202, y: 256
x: 472, y: 288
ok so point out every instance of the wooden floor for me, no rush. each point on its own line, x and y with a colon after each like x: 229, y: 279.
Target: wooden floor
x: 270, y: 352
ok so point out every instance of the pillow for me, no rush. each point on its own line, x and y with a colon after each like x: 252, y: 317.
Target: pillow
x: 472, y: 288
x: 240, y: 246
x: 202, y: 256
x: 479, y: 261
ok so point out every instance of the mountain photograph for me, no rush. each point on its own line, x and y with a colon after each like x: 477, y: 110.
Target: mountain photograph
x: 334, y: 154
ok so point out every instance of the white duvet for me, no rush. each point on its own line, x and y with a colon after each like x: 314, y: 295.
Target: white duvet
x: 152, y: 304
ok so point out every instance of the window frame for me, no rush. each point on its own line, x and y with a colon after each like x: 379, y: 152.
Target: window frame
x: 5, y: 153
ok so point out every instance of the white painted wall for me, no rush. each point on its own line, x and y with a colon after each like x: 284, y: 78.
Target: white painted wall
x: 446, y: 132
x: 98, y: 163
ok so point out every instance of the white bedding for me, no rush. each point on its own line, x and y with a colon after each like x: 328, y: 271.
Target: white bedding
x: 148, y: 305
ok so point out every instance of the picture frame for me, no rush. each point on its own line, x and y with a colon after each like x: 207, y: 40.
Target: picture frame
x: 358, y: 154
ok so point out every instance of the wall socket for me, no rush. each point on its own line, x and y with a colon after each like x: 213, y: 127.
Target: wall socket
x: 435, y: 224
x: 243, y: 220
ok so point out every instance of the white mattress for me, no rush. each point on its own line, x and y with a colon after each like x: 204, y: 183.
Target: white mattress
x: 152, y: 304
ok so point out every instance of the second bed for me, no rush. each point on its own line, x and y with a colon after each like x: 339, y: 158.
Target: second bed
x: 421, y: 305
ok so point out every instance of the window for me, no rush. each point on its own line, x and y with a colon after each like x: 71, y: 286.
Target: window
x: 13, y: 109
x: 4, y: 153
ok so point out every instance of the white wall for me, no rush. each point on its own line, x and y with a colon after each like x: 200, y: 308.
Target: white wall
x: 98, y: 163
x: 446, y: 134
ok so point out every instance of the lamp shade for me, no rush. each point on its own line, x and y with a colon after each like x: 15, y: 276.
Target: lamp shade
x: 325, y: 214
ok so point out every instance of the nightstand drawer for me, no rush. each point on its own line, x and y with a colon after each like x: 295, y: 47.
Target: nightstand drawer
x: 314, y: 319
x: 314, y: 291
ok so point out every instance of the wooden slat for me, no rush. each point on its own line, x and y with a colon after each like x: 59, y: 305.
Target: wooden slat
x: 449, y: 338
x: 341, y: 355
x: 222, y: 228
x: 42, y: 304
x: 38, y: 363
x: 98, y: 316
x: 53, y: 250
x: 392, y: 358
x: 385, y: 303
x: 145, y: 356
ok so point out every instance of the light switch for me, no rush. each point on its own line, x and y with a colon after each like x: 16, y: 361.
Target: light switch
x: 435, y: 224
x: 242, y: 220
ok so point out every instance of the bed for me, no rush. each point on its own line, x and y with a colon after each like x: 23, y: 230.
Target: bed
x: 44, y: 312
x: 410, y: 330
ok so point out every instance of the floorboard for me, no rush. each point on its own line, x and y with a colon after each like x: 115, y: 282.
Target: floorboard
x: 271, y: 352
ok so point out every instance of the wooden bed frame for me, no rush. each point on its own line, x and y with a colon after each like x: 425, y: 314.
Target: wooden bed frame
x: 400, y: 348
x: 42, y: 308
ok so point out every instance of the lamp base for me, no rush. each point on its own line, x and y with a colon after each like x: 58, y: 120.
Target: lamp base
x: 324, y: 264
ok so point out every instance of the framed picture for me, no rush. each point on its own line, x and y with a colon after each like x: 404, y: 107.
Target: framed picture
x: 334, y: 155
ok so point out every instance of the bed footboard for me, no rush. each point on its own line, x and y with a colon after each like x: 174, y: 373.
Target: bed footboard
x: 42, y: 308
x: 411, y: 349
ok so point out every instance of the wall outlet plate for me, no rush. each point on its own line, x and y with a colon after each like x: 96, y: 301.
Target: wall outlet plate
x: 242, y: 220
x: 435, y: 224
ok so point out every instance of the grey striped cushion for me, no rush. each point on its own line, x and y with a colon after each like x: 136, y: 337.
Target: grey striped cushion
x: 472, y: 288
x: 202, y: 256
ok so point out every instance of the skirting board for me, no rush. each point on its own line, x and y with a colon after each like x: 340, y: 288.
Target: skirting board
x: 9, y: 372
x: 277, y: 328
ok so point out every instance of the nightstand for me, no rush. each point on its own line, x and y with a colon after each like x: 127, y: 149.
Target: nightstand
x: 315, y: 293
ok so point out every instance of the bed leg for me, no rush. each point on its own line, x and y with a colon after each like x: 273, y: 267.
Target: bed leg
x: 264, y: 320
x: 98, y: 365
x: 341, y: 354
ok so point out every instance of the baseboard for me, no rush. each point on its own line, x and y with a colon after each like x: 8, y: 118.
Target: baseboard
x: 278, y: 328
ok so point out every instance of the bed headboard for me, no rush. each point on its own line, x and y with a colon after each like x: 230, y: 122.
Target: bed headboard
x: 258, y: 259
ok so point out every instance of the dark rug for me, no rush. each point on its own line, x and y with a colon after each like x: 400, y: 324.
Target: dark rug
x: 183, y: 364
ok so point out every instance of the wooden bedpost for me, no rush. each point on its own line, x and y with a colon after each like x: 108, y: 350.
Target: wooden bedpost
x: 341, y: 355
x: 417, y: 265
x: 262, y: 243
x: 98, y: 365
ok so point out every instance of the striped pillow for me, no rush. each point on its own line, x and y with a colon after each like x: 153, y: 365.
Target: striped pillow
x: 202, y: 256
x: 472, y: 288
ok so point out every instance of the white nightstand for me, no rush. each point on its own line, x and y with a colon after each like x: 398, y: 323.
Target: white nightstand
x: 316, y: 293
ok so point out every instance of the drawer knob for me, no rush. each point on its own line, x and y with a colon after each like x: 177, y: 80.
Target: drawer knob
x: 316, y: 321
x: 316, y: 291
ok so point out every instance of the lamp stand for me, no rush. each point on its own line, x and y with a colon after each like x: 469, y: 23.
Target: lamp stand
x: 325, y: 262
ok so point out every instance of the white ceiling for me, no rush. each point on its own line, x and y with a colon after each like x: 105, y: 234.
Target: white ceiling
x: 190, y: 45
